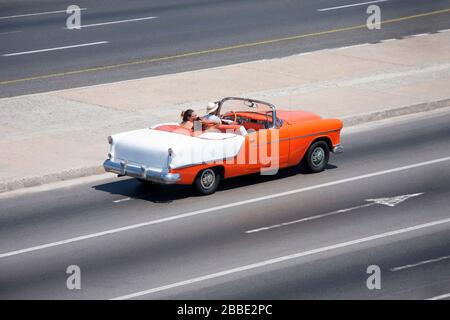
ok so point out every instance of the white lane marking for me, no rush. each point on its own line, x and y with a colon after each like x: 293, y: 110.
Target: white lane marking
x: 393, y: 201
x: 353, y: 46
x: 444, y: 30
x: 54, y: 49
x: 9, y: 32
x: 351, y: 5
x: 112, y: 22
x: 408, y: 266
x: 390, y: 202
x: 36, y: 14
x: 285, y: 258
x: 217, y: 208
x: 122, y: 200
x: 310, y: 218
x: 419, y: 35
x: 442, y: 296
x: 388, y: 40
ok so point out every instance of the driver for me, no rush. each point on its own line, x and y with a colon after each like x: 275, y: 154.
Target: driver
x: 210, y: 118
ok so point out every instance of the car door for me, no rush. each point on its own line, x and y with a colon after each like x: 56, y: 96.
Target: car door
x: 268, y: 149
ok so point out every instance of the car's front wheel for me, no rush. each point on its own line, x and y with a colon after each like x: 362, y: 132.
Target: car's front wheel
x: 317, y: 156
x: 207, y: 181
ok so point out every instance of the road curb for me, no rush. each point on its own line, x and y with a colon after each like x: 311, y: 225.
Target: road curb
x: 395, y: 112
x: 95, y: 170
x: 49, y: 178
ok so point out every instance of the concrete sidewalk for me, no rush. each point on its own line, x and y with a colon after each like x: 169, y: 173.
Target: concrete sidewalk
x: 61, y: 135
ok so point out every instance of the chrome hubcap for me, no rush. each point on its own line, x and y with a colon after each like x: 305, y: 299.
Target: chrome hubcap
x: 318, y: 156
x: 207, y: 179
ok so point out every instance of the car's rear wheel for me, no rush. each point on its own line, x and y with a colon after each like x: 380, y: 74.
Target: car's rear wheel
x: 207, y: 181
x: 317, y: 156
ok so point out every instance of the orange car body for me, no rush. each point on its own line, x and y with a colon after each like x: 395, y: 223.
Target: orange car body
x: 257, y: 139
x: 298, y: 131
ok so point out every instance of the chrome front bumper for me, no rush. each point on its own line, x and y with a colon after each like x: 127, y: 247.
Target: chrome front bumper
x: 125, y: 169
x: 338, y: 149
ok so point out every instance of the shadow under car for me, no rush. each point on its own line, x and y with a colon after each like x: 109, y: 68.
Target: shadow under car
x: 158, y: 193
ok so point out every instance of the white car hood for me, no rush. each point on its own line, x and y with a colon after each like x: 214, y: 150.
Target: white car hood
x: 149, y: 147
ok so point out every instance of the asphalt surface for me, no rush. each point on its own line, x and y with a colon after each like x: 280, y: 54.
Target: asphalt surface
x: 191, y: 254
x: 207, y: 31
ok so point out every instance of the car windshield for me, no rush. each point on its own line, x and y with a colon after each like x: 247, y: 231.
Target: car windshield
x: 230, y: 106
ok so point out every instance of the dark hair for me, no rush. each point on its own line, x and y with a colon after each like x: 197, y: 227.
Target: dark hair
x: 186, y: 114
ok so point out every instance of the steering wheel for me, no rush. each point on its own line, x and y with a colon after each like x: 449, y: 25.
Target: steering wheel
x: 235, y: 115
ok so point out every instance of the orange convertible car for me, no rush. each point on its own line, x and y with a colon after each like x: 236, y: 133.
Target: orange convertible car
x: 254, y: 137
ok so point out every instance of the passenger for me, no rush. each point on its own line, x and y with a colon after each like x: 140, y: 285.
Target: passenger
x: 188, y: 116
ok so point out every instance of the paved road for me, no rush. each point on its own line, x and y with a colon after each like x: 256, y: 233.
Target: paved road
x: 207, y: 31
x: 246, y: 241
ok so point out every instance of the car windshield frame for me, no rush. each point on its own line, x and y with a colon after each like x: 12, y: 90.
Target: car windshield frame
x: 250, y: 101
